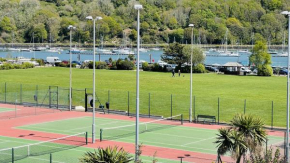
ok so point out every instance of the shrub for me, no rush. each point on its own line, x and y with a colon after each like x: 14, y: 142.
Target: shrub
x: 62, y: 65
x: 199, y: 68
x: 125, y: 65
x: 156, y: 67
x: 101, y: 65
x: 27, y: 65
x: 146, y: 66
x: 265, y: 70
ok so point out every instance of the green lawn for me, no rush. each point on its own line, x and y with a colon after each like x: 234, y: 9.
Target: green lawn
x: 64, y: 156
x: 232, y: 91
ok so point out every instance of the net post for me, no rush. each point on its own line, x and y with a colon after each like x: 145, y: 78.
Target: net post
x: 101, y: 134
x: 57, y: 97
x: 86, y: 138
x: 181, y: 119
x: 12, y: 155
x: 50, y: 157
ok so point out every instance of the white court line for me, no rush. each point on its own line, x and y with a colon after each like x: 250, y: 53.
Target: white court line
x: 83, y: 150
x: 198, y: 141
x: 90, y: 126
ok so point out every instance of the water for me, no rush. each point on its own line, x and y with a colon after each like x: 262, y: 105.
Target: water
x: 155, y: 57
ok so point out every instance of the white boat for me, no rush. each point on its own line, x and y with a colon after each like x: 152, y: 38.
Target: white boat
x: 21, y: 60
x: 13, y: 49
x: 155, y: 49
x: 104, y: 51
x: 26, y: 50
x: 143, y: 50
x: 125, y: 51
x: 54, y: 50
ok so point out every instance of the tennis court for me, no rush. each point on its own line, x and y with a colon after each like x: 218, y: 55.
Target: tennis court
x: 166, y: 134
x: 2, y: 110
x: 60, y: 154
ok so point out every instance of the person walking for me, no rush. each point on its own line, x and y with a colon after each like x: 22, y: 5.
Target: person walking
x: 173, y: 72
x: 179, y: 73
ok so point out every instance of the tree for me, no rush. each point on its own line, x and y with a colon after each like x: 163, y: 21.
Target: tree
x: 246, y: 134
x: 6, y: 25
x: 174, y: 54
x: 39, y: 32
x: 197, y: 55
x: 108, y: 155
x: 261, y: 59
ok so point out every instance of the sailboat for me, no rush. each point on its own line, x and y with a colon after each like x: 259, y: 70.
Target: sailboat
x: 283, y: 54
x: 51, y: 49
x: 12, y: 48
x: 141, y: 49
x: 102, y: 50
x: 226, y: 52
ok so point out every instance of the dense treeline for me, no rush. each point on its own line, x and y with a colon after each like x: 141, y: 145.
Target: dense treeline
x: 161, y: 20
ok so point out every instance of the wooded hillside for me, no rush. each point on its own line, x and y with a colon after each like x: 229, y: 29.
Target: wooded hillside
x: 161, y: 20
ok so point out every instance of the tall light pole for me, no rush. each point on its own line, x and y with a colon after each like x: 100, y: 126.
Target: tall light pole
x: 70, y: 27
x: 190, y: 108
x: 94, y: 76
x: 287, y: 13
x: 138, y: 8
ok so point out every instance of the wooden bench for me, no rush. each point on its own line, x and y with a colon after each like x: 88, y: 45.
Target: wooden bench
x: 206, y: 118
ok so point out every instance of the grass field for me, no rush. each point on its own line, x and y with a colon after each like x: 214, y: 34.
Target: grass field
x: 70, y: 155
x: 232, y: 91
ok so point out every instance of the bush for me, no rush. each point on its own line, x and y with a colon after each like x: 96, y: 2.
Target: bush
x: 3, y: 60
x: 27, y: 65
x: 146, y: 66
x: 125, y: 65
x: 265, y: 70
x: 156, y: 67
x: 62, y: 65
x: 101, y: 65
x: 199, y: 68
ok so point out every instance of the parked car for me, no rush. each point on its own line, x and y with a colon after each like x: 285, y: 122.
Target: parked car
x: 76, y: 62
x: 213, y: 69
x: 170, y: 67
x: 245, y: 69
x: 65, y: 62
x: 283, y: 72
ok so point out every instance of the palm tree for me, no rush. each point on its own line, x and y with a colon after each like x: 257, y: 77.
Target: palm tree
x: 107, y: 155
x: 245, y: 134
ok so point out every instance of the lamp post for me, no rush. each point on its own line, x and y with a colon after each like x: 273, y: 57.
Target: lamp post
x: 70, y: 27
x: 190, y: 108
x: 94, y: 75
x: 287, y: 13
x: 138, y: 8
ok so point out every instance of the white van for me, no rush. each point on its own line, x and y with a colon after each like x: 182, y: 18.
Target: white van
x: 52, y: 60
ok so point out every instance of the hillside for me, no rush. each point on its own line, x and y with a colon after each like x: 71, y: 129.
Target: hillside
x: 161, y: 20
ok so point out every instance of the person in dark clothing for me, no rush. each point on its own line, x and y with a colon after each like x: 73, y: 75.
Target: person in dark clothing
x: 173, y: 72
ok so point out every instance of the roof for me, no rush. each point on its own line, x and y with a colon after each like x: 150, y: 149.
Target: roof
x: 232, y: 64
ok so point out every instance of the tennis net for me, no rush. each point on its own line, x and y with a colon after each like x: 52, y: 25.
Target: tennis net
x: 128, y: 130
x: 42, y: 148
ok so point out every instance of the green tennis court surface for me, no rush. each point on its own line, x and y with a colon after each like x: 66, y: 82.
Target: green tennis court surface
x: 71, y: 155
x: 173, y: 136
x: 5, y: 110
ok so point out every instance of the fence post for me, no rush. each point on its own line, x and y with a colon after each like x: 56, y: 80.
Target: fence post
x: 194, y: 108
x: 36, y: 93
x: 171, y: 107
x: 149, y: 106
x: 49, y: 103
x: 128, y: 103
x: 218, y: 110
x: 245, y: 105
x: 57, y: 97
x: 50, y: 158
x: 86, y: 138
x: 5, y: 93
x: 272, y: 119
x: 12, y: 155
x: 20, y: 94
x: 109, y: 96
